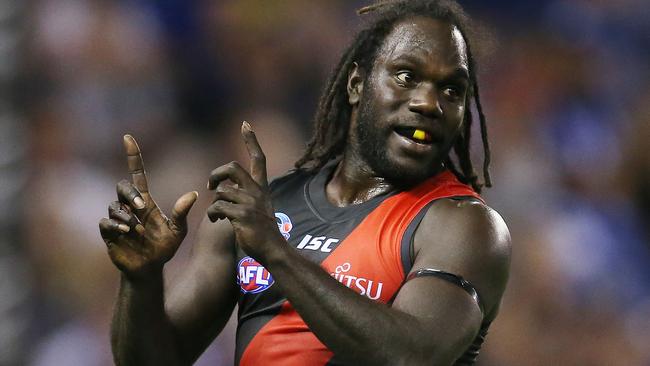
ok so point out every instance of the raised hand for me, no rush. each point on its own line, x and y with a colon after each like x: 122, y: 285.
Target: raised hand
x: 246, y: 204
x: 139, y: 237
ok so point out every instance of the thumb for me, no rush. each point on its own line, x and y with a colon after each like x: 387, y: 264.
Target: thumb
x: 182, y: 208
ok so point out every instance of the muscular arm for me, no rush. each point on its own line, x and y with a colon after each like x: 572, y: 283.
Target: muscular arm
x: 150, y: 328
x: 140, y: 325
x: 431, y: 321
x: 201, y: 302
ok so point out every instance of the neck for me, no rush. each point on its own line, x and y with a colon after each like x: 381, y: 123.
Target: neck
x: 354, y: 182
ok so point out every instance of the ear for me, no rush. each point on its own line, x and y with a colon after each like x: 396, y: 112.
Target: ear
x: 355, y: 84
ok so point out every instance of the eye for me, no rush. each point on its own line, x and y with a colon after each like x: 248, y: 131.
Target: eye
x: 404, y: 78
x: 453, y: 92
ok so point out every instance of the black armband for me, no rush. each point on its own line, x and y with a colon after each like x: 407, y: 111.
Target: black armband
x: 452, y: 278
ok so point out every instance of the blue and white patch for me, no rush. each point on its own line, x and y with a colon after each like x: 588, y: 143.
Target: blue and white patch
x: 284, y: 224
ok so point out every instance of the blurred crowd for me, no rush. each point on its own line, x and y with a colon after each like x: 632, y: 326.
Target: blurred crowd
x: 566, y: 92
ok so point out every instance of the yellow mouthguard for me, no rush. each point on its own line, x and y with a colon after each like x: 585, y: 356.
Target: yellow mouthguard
x: 419, y: 135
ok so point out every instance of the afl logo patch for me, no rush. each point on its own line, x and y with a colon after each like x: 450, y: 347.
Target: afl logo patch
x: 284, y: 224
x: 253, y: 278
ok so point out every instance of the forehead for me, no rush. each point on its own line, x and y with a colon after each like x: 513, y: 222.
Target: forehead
x: 433, y: 41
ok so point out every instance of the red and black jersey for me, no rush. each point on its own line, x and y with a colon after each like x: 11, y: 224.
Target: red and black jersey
x: 366, y: 247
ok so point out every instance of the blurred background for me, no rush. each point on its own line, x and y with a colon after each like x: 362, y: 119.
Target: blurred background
x: 566, y: 91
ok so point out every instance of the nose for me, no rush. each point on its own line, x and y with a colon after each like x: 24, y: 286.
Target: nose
x: 425, y: 101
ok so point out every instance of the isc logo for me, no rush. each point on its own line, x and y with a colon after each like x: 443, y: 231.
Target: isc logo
x: 253, y: 278
x: 321, y: 243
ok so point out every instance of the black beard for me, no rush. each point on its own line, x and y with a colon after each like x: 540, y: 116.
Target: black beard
x: 371, y: 147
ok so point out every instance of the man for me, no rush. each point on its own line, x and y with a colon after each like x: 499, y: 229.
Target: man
x: 372, y: 252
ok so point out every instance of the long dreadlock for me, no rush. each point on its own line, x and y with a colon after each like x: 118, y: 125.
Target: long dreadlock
x: 332, y: 117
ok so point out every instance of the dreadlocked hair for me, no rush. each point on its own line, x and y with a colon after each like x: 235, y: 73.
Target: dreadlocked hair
x: 332, y: 118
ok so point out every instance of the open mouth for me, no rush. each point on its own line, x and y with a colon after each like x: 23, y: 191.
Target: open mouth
x: 414, y: 134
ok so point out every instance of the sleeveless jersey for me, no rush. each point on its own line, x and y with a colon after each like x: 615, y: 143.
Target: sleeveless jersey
x: 366, y: 247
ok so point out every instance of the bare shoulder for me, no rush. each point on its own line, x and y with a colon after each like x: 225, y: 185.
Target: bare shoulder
x: 465, y: 225
x: 469, y: 239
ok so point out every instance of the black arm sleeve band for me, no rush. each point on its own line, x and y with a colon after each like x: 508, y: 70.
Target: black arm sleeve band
x: 452, y: 278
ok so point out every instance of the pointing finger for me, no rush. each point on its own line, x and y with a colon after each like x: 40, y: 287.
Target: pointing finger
x: 258, y: 159
x: 135, y: 164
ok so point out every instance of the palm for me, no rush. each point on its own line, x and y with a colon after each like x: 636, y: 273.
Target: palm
x: 155, y: 238
x: 158, y: 244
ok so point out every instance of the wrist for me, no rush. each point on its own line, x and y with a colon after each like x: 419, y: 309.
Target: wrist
x: 277, y: 254
x: 150, y: 277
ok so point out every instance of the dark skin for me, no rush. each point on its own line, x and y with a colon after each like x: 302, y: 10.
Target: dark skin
x: 430, y: 321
